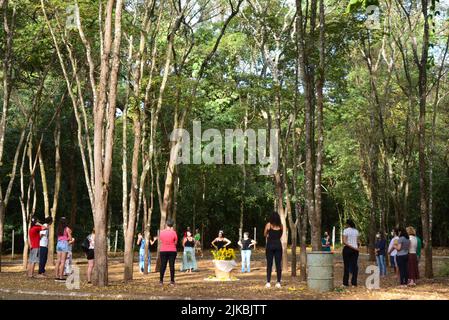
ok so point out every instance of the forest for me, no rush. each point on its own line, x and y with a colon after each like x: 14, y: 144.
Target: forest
x: 92, y: 92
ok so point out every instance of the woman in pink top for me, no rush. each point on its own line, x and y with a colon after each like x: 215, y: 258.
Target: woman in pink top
x: 168, y: 239
x: 62, y: 248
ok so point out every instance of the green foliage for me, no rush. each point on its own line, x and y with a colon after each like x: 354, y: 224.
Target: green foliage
x: 354, y: 5
x: 238, y: 84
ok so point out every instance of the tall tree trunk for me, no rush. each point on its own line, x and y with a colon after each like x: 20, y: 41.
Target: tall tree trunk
x: 25, y: 197
x: 316, y: 228
x: 242, y: 202
x: 73, y: 176
x: 105, y: 110
x: 243, y: 193
x: 279, y: 178
x: 7, y: 84
x: 129, y: 240
x: 174, y: 149
x: 57, y: 185
x: 308, y: 79
x: 423, y: 174
x: 373, y: 185
x: 301, y: 218
x: 432, y: 137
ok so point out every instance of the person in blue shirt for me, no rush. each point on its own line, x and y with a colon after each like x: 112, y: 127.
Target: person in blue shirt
x: 141, y: 243
x: 380, y: 249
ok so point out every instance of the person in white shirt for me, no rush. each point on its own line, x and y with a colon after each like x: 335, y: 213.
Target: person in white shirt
x: 350, y: 253
x: 90, y: 254
x: 43, y: 246
x: 413, y: 270
x: 392, y: 252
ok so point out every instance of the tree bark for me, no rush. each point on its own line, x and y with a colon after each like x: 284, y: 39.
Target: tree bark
x: 423, y: 175
x: 104, y: 137
x: 7, y: 85
x: 57, y: 185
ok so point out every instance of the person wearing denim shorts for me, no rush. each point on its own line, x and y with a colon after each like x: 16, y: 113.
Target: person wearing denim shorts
x: 62, y: 247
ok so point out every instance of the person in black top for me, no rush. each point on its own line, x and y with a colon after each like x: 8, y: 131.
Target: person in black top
x: 380, y: 249
x: 220, y: 241
x: 273, y: 233
x: 245, y: 247
x: 188, y: 258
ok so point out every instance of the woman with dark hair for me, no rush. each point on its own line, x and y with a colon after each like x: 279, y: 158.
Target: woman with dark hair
x: 64, y: 234
x: 220, y: 241
x: 402, y: 248
x: 273, y: 233
x: 350, y: 253
x: 168, y: 239
x: 188, y: 259
x: 326, y: 242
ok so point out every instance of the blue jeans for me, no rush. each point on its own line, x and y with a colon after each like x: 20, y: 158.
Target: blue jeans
x: 246, y: 260
x: 43, y: 253
x: 142, y: 260
x: 381, y: 264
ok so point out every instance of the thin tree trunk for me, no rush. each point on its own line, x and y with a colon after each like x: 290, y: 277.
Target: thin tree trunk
x: 301, y: 218
x: 7, y: 85
x: 107, y: 92
x: 174, y: 150
x: 316, y: 228
x: 73, y: 176
x: 423, y: 174
x: 57, y: 185
x: 129, y: 253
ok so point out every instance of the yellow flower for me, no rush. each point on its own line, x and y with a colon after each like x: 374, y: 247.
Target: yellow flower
x: 224, y: 254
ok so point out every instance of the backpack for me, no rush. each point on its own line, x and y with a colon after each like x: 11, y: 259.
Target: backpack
x: 85, y: 245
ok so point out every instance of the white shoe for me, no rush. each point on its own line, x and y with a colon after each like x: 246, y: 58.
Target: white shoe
x: 278, y: 285
x: 268, y: 285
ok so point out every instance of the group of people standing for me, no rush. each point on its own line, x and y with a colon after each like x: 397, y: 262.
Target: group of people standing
x: 404, y: 251
x: 38, y: 235
x: 190, y: 243
x: 168, y: 239
x: 273, y: 232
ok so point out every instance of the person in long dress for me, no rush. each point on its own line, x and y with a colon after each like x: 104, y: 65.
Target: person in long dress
x: 188, y: 259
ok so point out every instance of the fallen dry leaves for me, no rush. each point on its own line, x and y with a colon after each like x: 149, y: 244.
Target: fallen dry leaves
x: 14, y: 284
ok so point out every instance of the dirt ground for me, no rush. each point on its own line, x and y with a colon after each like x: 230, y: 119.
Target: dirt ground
x: 15, y: 285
